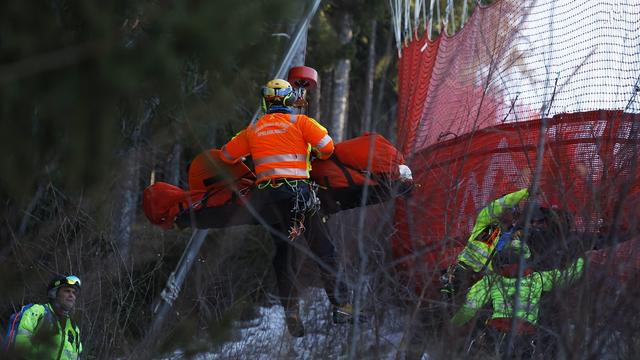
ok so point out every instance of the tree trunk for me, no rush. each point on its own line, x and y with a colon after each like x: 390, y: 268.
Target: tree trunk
x: 127, y: 191
x: 392, y: 123
x: 340, y: 100
x: 314, y: 103
x: 368, y: 90
x: 127, y: 198
x: 326, y: 95
x: 24, y: 224
x: 172, y: 166
x: 377, y: 116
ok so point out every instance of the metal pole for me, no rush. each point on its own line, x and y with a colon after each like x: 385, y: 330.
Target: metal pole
x: 293, y: 48
x: 297, y: 40
x: 172, y: 289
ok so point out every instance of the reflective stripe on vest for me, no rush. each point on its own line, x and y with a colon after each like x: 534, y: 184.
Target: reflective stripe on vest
x: 280, y: 158
x: 68, y: 354
x: 323, y: 142
x: 502, y: 201
x: 283, y: 172
x: 475, y: 254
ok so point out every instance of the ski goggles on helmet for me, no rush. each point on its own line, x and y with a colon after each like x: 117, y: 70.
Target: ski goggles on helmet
x: 275, y: 93
x: 71, y: 280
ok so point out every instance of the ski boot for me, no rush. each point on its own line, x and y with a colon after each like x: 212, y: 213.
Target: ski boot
x: 294, y: 322
x: 344, y: 314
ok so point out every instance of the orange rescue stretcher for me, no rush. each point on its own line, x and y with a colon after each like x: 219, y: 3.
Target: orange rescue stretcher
x: 219, y: 194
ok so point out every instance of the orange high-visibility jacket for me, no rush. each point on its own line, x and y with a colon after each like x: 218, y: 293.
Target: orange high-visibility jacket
x: 280, y: 145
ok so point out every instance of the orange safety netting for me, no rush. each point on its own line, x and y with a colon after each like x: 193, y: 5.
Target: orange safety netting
x: 469, y: 113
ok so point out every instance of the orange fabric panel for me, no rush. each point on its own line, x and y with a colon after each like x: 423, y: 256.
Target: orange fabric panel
x: 328, y: 174
x: 208, y: 176
x: 356, y: 152
x: 353, y: 155
x: 162, y: 202
x: 207, y: 173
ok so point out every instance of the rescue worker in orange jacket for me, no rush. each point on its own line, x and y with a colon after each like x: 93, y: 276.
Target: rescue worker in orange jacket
x: 280, y: 144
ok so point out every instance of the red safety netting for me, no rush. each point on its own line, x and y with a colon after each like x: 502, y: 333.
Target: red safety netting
x: 469, y: 113
x: 589, y: 158
x: 515, y: 60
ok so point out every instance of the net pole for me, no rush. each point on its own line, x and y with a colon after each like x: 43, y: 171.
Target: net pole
x: 293, y: 47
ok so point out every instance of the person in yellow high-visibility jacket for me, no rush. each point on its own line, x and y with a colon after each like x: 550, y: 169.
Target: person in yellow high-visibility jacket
x: 493, y: 223
x: 499, y: 288
x: 45, y: 331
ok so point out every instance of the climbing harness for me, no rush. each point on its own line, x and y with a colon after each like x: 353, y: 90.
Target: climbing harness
x: 304, y: 202
x: 309, y: 204
x: 202, y: 203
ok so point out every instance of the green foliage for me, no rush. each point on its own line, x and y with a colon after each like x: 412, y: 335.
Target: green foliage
x: 69, y: 69
x: 323, y: 43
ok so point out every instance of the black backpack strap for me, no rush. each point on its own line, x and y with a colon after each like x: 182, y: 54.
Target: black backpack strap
x: 47, y: 316
x: 378, y: 178
x: 344, y: 170
x: 327, y: 183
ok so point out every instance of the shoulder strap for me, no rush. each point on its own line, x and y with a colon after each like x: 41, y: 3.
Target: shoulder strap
x: 12, y: 328
x: 344, y: 170
x: 47, y: 315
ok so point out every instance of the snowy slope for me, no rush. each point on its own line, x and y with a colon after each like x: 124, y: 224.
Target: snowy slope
x: 266, y: 337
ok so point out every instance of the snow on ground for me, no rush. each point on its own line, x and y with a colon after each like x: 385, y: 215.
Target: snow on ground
x: 266, y: 337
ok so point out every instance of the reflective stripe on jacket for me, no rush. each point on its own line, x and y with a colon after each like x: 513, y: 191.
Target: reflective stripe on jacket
x: 55, y: 339
x: 501, y: 290
x: 280, y: 145
x: 476, y: 253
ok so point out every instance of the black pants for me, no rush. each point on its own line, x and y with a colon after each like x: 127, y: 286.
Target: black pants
x: 458, y: 282
x: 275, y: 206
x: 522, y: 347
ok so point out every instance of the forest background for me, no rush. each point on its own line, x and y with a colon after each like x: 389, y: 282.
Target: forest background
x: 99, y: 99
